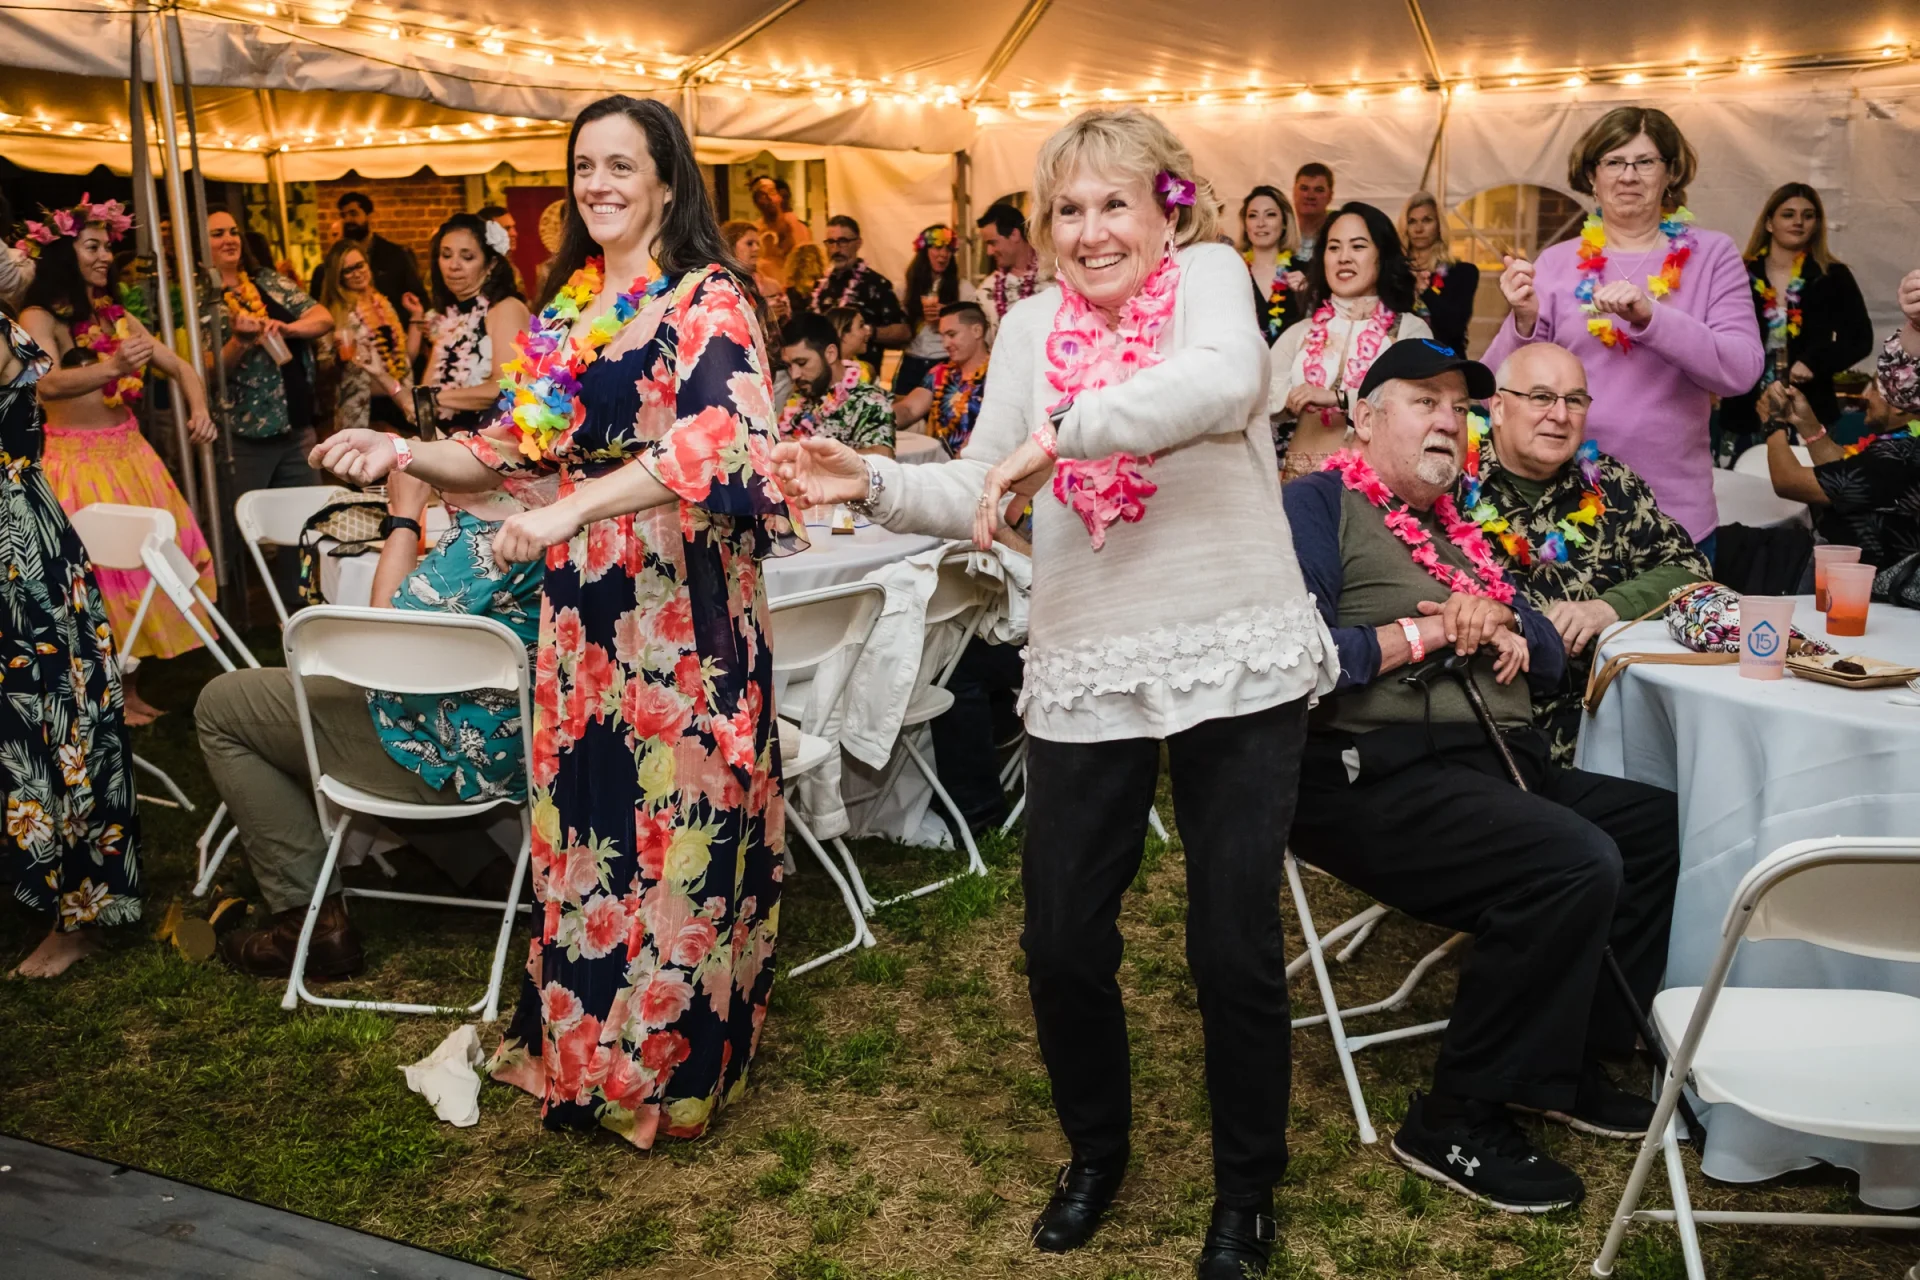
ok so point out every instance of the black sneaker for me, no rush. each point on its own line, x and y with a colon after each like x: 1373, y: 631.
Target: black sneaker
x: 1484, y: 1155
x: 1603, y: 1109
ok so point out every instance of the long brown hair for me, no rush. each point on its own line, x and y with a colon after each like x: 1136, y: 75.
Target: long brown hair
x: 689, y: 232
x: 1762, y: 239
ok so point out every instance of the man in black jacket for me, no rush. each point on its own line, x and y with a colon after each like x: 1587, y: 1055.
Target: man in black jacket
x: 395, y: 273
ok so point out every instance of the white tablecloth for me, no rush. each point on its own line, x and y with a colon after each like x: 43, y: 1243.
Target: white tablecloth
x: 835, y: 558
x: 1750, y: 500
x: 910, y: 447
x: 1757, y: 765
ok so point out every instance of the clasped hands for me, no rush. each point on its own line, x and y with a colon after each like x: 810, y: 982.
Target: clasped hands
x: 1470, y: 622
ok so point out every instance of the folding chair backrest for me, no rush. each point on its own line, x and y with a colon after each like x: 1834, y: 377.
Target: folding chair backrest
x: 115, y: 533
x: 1854, y: 894
x: 401, y: 651
x: 812, y: 626
x: 275, y: 517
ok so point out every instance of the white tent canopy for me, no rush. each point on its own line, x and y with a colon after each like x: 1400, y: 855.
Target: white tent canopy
x: 1768, y: 91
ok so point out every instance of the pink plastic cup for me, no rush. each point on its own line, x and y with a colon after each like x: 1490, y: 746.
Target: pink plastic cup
x: 1765, y: 624
x: 1850, y: 587
x: 1824, y: 557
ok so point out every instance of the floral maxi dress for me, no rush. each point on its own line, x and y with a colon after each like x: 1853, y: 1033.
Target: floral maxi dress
x: 65, y: 765
x: 657, y: 813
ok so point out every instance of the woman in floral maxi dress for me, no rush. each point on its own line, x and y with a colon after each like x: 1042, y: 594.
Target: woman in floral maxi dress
x: 65, y: 766
x: 658, y: 823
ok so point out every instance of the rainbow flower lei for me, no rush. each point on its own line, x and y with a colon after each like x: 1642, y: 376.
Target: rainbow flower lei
x: 1860, y: 445
x: 1486, y: 515
x: 540, y: 386
x: 1677, y: 227
x: 1783, y: 314
x: 1276, y: 291
x: 1486, y: 579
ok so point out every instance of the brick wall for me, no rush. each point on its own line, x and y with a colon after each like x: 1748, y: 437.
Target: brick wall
x: 405, y: 210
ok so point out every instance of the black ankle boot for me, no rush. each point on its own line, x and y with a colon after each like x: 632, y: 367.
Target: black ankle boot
x: 1079, y: 1199
x: 1239, y: 1242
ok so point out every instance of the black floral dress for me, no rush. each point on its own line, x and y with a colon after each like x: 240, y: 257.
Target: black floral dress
x: 658, y: 818
x: 67, y: 770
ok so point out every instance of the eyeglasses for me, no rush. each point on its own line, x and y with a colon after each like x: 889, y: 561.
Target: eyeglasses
x: 1615, y: 166
x: 835, y: 242
x: 1578, y: 402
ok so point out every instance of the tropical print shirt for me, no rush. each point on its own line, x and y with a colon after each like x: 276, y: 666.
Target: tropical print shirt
x: 1629, y: 553
x: 267, y: 400
x: 956, y: 403
x: 1899, y: 375
x: 865, y: 290
x: 863, y: 420
x: 470, y: 740
x: 1873, y: 498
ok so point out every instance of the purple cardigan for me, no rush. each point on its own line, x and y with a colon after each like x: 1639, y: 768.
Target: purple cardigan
x: 1651, y: 405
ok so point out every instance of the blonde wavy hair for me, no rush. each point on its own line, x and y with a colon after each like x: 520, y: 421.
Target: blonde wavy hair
x: 1126, y: 143
x: 1425, y: 200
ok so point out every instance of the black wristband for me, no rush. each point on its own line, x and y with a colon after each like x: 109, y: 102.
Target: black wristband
x: 391, y: 523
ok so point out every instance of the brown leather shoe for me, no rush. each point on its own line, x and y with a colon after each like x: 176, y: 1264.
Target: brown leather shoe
x: 267, y: 952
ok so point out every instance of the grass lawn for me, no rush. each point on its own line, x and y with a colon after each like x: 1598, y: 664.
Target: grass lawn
x: 897, y: 1125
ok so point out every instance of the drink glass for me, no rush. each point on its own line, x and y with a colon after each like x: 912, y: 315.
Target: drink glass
x: 1849, y: 586
x: 1765, y: 624
x: 1824, y: 557
x: 275, y: 346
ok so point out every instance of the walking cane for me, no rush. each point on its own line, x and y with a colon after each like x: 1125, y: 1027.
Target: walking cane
x: 1460, y: 667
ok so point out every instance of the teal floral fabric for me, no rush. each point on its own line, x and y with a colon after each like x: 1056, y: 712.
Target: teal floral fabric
x: 471, y: 740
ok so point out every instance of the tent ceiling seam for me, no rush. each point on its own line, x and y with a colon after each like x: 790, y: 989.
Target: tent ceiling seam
x: 1017, y: 34
x: 738, y: 38
x: 1426, y: 41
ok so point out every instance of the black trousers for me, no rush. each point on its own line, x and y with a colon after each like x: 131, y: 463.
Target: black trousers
x: 1233, y: 796
x: 1543, y: 880
x: 963, y: 738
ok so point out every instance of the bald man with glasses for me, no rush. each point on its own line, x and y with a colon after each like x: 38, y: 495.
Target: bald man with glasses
x: 1577, y: 530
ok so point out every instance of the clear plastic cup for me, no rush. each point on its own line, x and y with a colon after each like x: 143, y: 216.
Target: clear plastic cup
x: 1849, y: 588
x: 1825, y: 556
x: 1765, y: 624
x: 275, y: 346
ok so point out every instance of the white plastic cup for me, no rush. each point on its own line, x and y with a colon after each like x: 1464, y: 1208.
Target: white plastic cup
x: 275, y: 346
x: 1765, y: 624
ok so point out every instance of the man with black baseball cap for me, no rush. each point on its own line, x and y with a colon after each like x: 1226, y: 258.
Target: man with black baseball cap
x: 1403, y: 794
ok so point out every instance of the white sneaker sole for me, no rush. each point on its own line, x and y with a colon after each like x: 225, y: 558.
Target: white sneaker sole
x: 1426, y: 1170
x: 1578, y: 1125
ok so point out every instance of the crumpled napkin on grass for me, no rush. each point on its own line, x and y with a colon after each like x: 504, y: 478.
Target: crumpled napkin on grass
x: 447, y: 1077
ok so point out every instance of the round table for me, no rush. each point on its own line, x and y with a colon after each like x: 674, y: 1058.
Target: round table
x: 911, y: 448
x: 1757, y: 765
x: 1750, y: 500
x: 835, y: 558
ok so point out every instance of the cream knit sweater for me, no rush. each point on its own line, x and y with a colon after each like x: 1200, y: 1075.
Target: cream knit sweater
x: 1197, y: 611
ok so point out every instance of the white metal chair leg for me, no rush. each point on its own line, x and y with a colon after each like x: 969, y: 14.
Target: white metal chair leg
x: 1019, y: 807
x: 1352, y: 948
x: 1643, y: 1163
x: 861, y: 893
x: 173, y: 788
x: 1682, y: 1205
x: 1364, y: 920
x: 1155, y: 825
x: 976, y: 866
x: 212, y: 868
x: 1332, y: 1006
x: 1399, y: 997
x: 861, y: 936
x: 297, y: 980
x: 506, y: 921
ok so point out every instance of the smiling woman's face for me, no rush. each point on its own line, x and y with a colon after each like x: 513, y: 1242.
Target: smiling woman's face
x: 618, y: 189
x: 1109, y: 233
x: 1353, y: 259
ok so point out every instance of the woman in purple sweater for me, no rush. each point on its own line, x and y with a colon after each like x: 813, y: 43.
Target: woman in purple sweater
x: 1660, y: 312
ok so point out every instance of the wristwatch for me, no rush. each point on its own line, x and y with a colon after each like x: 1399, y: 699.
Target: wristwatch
x: 876, y: 485
x: 390, y: 523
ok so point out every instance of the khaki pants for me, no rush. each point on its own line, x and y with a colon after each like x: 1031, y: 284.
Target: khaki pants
x: 250, y: 732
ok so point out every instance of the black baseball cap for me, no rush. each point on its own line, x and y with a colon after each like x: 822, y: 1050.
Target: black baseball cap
x: 1416, y: 359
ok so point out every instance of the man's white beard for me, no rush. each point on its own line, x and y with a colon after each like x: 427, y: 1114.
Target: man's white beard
x: 1436, y: 471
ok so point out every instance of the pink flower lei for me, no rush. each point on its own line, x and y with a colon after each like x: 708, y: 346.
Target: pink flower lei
x: 1371, y: 342
x: 1085, y: 354
x: 1358, y: 475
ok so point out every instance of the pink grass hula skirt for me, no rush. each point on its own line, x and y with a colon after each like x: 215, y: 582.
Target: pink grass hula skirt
x: 86, y: 465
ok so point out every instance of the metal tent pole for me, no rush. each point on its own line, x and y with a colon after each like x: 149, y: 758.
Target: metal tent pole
x: 182, y: 241
x: 209, y: 472
x: 147, y: 242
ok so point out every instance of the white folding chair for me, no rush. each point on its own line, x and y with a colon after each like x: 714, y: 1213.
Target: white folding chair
x: 414, y: 653
x: 123, y: 537
x: 274, y: 518
x: 959, y: 599
x: 809, y: 629
x: 1356, y: 930
x: 1842, y: 1064
x: 1753, y: 460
